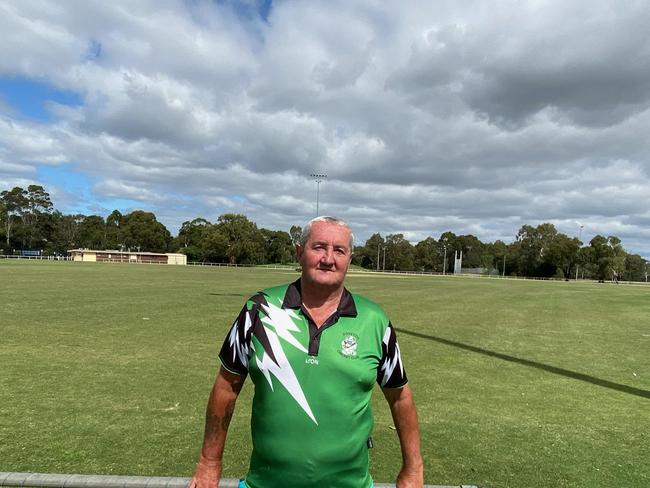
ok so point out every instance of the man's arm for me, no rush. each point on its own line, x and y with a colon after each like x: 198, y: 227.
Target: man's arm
x: 402, y: 408
x: 217, y: 419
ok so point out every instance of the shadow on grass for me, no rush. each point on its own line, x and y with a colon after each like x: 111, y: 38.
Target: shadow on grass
x: 239, y: 295
x: 533, y: 364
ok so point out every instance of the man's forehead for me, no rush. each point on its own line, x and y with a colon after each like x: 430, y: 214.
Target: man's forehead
x: 324, y: 231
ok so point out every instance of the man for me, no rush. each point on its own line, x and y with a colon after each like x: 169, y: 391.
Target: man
x: 313, y: 351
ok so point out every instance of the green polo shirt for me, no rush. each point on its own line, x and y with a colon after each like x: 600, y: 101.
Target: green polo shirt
x: 311, y: 417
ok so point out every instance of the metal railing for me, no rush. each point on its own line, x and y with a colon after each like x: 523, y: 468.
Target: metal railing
x: 45, y: 480
x: 35, y: 258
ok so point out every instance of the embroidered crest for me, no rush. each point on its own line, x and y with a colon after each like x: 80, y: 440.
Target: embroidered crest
x: 349, y: 346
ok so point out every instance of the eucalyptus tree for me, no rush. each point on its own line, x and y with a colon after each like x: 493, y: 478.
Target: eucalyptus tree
x: 12, y: 206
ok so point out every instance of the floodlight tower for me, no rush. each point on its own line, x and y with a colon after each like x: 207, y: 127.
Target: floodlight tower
x: 579, y: 237
x: 318, y: 178
x: 444, y: 263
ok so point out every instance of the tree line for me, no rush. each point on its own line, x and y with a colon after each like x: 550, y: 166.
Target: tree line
x: 539, y: 251
x: 29, y: 221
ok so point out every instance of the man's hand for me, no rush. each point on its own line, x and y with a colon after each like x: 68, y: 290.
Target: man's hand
x: 206, y: 475
x: 410, y: 478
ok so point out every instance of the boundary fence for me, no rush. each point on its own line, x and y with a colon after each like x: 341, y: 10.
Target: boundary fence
x: 45, y: 480
x: 35, y: 258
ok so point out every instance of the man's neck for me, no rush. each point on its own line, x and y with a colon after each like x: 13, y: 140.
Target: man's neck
x: 318, y: 296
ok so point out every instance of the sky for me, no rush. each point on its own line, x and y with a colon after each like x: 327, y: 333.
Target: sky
x: 426, y: 116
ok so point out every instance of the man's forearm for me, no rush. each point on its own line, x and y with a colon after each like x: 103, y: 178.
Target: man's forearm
x: 402, y: 407
x: 217, y: 421
x: 219, y: 411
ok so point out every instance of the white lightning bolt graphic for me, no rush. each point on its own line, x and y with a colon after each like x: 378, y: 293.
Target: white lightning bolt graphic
x: 389, y: 366
x: 281, y: 321
x: 239, y: 348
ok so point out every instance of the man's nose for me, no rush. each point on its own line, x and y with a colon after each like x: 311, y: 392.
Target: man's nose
x: 328, y: 256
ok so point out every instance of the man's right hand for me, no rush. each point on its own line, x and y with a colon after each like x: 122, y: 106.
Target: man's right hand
x: 206, y: 475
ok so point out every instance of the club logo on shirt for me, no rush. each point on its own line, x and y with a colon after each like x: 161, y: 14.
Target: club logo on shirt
x: 349, y: 346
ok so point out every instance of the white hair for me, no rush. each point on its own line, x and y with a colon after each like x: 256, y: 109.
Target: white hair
x: 306, y: 231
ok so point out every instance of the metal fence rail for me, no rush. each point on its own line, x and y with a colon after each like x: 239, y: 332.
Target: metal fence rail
x: 35, y: 258
x: 45, y: 480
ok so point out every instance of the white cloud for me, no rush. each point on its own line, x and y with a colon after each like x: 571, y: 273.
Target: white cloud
x: 427, y: 117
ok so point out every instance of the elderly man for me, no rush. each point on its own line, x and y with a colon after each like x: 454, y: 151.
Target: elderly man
x: 313, y: 351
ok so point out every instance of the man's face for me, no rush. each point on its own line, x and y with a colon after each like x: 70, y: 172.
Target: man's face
x: 326, y: 255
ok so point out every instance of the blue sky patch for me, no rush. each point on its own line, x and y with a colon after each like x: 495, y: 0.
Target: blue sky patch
x: 72, y: 182
x: 94, y: 50
x: 29, y: 97
x: 250, y: 10
x: 65, y: 177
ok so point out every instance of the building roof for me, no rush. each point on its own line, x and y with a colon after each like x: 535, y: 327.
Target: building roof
x: 115, y: 251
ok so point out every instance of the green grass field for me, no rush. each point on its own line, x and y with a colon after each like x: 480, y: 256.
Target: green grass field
x: 106, y: 369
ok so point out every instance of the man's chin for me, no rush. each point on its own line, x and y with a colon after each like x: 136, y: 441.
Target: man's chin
x: 326, y: 278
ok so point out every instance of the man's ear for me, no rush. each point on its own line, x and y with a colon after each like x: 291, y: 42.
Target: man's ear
x: 298, y: 251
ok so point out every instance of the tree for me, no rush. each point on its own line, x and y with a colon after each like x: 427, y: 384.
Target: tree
x: 190, y: 238
x: 192, y: 232
x: 92, y: 232
x: 214, y: 246
x: 533, y: 250
x: 399, y: 253
x: 472, y: 249
x: 635, y: 267
x: 115, y: 230
x: 65, y: 233
x: 279, y: 246
x: 245, y: 241
x: 38, y: 203
x: 143, y: 232
x: 563, y: 254
x: 426, y: 255
x: 608, y: 256
x: 371, y: 254
x: 618, y: 257
x: 447, y: 246
x: 493, y: 256
x: 14, y: 203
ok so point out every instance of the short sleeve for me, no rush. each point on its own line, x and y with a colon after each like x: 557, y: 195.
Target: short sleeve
x: 236, y: 347
x: 390, y: 373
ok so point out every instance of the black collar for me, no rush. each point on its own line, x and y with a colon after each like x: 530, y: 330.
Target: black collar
x: 293, y: 299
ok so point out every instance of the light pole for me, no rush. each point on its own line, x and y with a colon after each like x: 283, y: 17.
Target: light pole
x: 504, y: 264
x: 444, y: 262
x: 319, y: 178
x: 384, y: 264
x: 579, y: 244
x: 378, y: 249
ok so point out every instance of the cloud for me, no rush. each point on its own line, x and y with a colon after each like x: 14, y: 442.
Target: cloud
x: 456, y: 116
